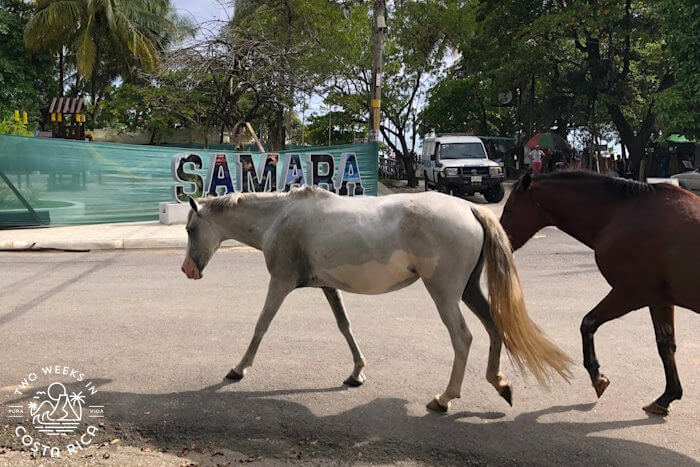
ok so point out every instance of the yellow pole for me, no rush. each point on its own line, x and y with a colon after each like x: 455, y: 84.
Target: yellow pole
x: 24, y: 117
x: 16, y: 115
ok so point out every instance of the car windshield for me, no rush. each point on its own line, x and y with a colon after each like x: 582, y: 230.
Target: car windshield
x: 462, y: 151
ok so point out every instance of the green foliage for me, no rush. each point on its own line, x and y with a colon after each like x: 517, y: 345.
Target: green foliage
x: 679, y: 106
x: 465, y: 105
x: 593, y: 64
x: 133, y: 31
x: 103, y: 40
x: 26, y: 80
x: 344, y: 130
x: 9, y: 126
x: 172, y: 102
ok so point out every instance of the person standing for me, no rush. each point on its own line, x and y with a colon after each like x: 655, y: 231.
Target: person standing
x: 536, y: 160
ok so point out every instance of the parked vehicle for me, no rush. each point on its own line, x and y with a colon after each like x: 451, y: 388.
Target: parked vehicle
x: 689, y: 180
x: 459, y: 164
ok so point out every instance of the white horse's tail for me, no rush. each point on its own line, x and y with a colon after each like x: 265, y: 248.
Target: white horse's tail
x: 527, y: 344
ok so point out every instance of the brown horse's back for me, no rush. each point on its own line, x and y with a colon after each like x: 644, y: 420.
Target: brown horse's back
x: 651, y: 246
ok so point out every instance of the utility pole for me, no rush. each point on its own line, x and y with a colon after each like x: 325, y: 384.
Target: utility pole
x: 376, y: 84
x: 303, y: 122
x: 330, y: 113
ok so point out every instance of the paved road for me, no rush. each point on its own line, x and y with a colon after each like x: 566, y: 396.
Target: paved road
x: 157, y: 346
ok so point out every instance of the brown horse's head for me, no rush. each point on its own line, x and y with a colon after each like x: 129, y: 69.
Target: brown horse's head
x: 522, y: 216
x: 203, y: 239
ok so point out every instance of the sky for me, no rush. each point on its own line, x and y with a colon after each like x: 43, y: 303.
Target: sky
x: 202, y: 10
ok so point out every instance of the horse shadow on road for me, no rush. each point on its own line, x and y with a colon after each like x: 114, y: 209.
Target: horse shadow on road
x: 267, y: 424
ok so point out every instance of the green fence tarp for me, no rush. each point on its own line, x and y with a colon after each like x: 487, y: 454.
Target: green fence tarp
x: 81, y: 182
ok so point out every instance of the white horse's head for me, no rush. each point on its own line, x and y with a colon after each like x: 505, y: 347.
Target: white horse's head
x: 203, y: 239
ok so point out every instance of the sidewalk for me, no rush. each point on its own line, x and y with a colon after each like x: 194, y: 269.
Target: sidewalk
x: 98, y: 237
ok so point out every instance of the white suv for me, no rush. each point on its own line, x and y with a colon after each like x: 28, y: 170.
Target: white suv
x: 459, y: 164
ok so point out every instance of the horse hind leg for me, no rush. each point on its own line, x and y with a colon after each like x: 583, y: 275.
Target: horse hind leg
x: 662, y: 317
x: 461, y: 338
x: 341, y: 317
x: 474, y: 298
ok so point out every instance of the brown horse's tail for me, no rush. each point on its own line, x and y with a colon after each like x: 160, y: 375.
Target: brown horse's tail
x: 525, y: 341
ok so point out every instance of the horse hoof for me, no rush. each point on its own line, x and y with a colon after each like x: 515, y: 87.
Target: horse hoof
x: 354, y: 382
x: 601, y: 385
x: 656, y: 409
x: 234, y: 375
x: 507, y: 393
x: 437, y: 406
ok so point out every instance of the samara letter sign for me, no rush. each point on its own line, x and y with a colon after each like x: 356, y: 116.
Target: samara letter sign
x: 265, y: 172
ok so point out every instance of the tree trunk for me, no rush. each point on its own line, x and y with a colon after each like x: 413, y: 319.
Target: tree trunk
x: 531, y: 110
x: 404, y: 154
x: 635, y: 142
x: 277, y: 133
x: 410, y: 167
x: 484, y: 120
x: 93, y: 94
x: 60, y: 72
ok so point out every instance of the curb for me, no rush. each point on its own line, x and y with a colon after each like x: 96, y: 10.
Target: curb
x: 93, y: 245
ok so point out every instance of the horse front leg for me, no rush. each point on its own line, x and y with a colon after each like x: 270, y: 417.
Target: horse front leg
x: 664, y: 328
x: 617, y: 303
x: 341, y: 317
x: 277, y: 290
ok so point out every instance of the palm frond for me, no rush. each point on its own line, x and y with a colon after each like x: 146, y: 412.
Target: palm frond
x: 86, y: 54
x: 54, y: 23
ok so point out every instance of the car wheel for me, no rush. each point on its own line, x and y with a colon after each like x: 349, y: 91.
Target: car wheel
x: 495, y: 193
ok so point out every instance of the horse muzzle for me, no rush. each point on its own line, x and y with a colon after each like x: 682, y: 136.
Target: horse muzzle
x: 190, y: 269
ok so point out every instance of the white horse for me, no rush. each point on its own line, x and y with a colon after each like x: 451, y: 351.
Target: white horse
x: 313, y: 238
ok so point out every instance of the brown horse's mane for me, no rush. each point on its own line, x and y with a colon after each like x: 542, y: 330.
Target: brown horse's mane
x: 619, y: 187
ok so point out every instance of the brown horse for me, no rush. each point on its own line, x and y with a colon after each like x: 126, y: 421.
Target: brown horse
x: 645, y: 238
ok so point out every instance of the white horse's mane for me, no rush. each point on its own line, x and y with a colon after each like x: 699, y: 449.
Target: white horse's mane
x: 221, y: 203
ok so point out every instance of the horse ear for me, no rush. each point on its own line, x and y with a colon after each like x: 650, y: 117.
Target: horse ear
x: 526, y: 181
x: 194, y: 205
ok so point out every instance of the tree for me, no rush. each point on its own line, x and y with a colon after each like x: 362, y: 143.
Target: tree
x: 298, y: 32
x: 169, y: 103
x: 416, y: 43
x: 252, y: 67
x: 342, y: 128
x: 110, y: 37
x: 604, y: 58
x: 679, y: 106
x: 467, y: 105
x: 26, y: 80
